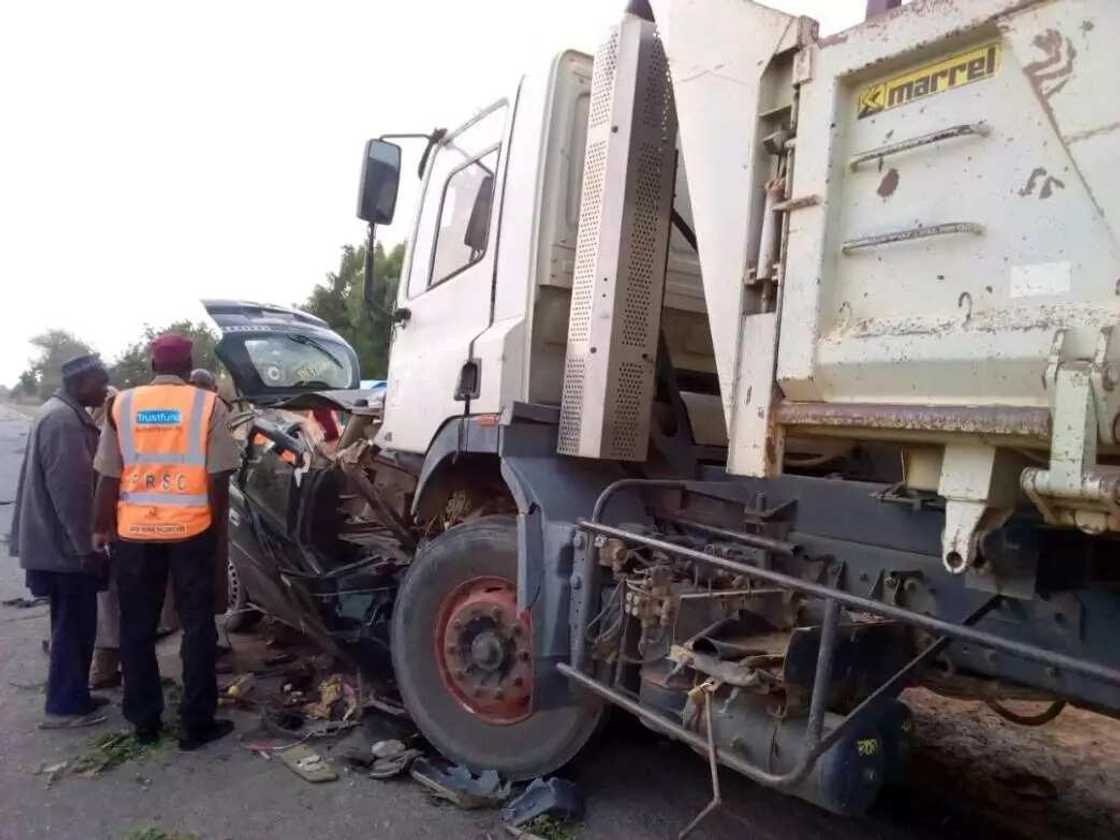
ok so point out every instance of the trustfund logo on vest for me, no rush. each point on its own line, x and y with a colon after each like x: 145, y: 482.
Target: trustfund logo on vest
x: 162, y: 417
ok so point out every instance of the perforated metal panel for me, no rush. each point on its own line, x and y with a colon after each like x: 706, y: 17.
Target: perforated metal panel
x: 619, y: 274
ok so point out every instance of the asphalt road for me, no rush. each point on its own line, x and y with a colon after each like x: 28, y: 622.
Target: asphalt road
x: 637, y: 785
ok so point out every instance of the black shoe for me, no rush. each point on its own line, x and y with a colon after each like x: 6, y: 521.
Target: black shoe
x: 195, y: 738
x: 148, y: 733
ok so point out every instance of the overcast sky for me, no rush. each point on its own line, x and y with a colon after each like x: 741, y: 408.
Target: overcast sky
x: 156, y: 153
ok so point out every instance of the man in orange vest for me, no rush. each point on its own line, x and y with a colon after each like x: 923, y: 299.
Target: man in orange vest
x: 165, y: 458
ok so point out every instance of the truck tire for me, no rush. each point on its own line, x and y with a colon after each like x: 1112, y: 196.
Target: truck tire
x: 448, y: 585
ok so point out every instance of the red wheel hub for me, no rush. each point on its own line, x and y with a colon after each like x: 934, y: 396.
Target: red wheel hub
x: 485, y: 650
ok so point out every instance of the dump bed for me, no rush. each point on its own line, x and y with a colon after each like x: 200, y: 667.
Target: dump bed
x: 966, y: 164
x: 908, y: 232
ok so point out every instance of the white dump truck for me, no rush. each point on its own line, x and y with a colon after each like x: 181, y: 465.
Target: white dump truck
x: 755, y: 376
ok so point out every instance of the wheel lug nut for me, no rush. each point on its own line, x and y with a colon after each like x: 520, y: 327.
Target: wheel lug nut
x: 523, y: 656
x: 517, y: 681
x: 499, y: 694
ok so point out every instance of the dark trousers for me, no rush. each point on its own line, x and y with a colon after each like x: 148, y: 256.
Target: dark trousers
x: 73, y: 599
x: 142, y: 570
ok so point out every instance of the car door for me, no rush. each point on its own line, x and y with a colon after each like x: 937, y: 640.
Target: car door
x: 446, y: 286
x: 275, y: 355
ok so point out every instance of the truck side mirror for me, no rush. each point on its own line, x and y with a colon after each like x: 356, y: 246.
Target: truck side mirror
x: 381, y: 174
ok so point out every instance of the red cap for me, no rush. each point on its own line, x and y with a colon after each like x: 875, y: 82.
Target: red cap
x: 170, y: 349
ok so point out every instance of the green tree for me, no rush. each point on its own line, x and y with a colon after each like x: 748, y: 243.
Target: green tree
x: 339, y: 301
x: 134, y: 366
x: 27, y: 386
x: 44, y: 374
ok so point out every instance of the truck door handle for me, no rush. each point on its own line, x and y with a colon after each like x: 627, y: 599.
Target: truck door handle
x: 402, y: 315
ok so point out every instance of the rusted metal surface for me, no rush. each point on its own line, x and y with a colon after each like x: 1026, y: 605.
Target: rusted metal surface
x: 978, y: 129
x: 981, y: 420
x: 889, y: 184
x: 797, y: 203
x: 1045, y: 318
x: 738, y: 674
x: 783, y: 547
x: 1090, y: 133
x: 877, y: 7
x: 910, y: 234
x: 1047, y: 76
x: 483, y: 650
x: 353, y: 461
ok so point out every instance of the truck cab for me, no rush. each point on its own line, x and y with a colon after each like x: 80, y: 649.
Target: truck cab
x: 488, y: 274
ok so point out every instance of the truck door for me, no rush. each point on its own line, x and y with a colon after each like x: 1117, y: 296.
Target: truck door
x: 446, y: 283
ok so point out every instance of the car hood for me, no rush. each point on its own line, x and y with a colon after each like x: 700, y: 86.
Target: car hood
x: 353, y: 401
x: 275, y: 354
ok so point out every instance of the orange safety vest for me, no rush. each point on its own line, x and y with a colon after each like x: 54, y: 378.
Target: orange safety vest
x: 162, y: 431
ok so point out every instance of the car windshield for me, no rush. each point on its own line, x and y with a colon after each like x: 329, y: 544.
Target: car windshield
x: 299, y: 361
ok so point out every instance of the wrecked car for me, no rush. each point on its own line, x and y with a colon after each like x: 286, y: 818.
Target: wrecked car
x: 316, y: 541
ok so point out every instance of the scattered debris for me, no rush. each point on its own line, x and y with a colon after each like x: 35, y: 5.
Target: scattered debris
x: 556, y: 798
x: 284, y: 719
x: 337, y: 699
x: 386, y: 726
x: 387, y: 749
x: 521, y: 834
x: 24, y: 603
x: 358, y: 759
x: 395, y: 765
x: 330, y: 692
x: 383, y: 705
x: 154, y: 832
x: 392, y: 758
x: 307, y: 764
x: 459, y: 785
x: 544, y: 828
x: 53, y: 772
x: 237, y: 691
x: 112, y: 749
x: 330, y: 728
x: 22, y: 686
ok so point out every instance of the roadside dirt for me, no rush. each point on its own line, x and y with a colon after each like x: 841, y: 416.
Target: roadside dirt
x: 1057, y: 780
x: 974, y: 775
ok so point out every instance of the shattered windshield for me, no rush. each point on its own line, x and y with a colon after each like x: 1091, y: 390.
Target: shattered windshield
x: 298, y: 361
